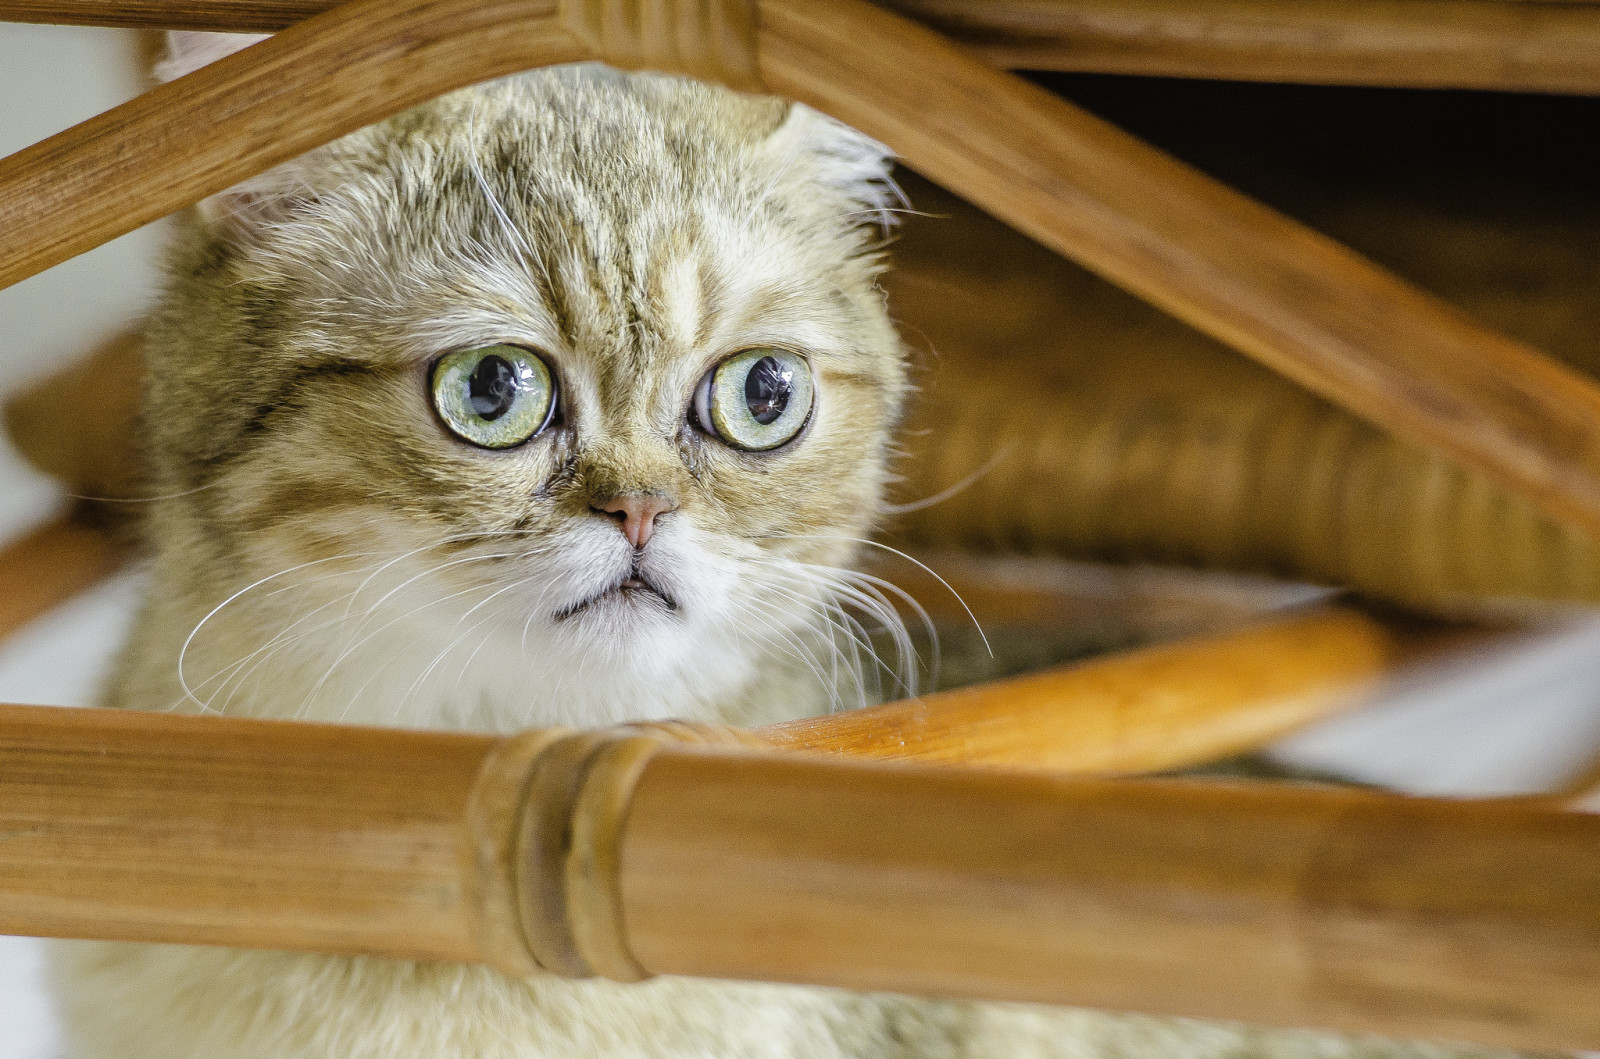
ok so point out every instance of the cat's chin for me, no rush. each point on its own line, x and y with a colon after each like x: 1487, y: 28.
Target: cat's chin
x: 633, y: 598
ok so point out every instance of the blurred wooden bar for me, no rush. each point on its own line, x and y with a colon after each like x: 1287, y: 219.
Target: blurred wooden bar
x: 96, y: 451
x: 1128, y: 437
x: 1163, y: 707
x: 51, y: 564
x: 1357, y: 910
x: 1501, y: 45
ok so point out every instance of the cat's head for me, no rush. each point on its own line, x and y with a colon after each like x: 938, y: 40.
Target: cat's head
x: 580, y: 374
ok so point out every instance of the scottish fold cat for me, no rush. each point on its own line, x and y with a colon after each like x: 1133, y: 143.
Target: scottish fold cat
x: 563, y: 399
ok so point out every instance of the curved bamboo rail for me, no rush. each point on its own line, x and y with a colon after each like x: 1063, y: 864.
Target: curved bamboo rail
x: 1294, y: 300
x: 1165, y: 707
x: 623, y: 854
x: 1502, y: 45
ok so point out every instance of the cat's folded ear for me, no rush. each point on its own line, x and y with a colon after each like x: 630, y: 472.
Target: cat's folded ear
x: 256, y: 203
x: 829, y: 152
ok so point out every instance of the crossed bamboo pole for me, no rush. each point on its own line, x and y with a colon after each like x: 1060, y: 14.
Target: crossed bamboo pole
x: 629, y: 853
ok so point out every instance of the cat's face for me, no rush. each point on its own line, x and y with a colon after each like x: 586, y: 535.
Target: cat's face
x: 583, y: 376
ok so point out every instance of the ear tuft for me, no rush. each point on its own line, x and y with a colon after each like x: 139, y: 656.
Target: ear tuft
x: 837, y: 156
x: 188, y: 51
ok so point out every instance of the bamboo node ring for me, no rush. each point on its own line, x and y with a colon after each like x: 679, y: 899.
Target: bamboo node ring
x: 567, y: 850
x: 714, y: 40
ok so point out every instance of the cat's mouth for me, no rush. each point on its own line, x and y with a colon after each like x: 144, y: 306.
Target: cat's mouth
x: 634, y: 589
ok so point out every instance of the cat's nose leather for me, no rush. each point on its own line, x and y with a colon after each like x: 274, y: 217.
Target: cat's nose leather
x: 636, y: 514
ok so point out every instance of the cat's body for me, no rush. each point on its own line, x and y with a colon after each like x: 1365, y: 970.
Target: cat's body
x: 327, y: 550
x: 330, y: 546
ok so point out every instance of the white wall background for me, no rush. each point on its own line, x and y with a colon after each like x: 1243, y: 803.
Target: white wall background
x: 53, y: 77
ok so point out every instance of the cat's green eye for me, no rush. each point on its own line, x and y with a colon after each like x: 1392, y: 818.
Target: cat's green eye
x: 494, y: 396
x: 756, y: 400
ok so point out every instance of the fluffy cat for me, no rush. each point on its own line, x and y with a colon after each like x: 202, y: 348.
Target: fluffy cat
x: 564, y: 399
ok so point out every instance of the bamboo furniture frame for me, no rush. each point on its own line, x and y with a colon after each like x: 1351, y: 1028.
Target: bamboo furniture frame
x: 1511, y: 45
x: 1478, y: 920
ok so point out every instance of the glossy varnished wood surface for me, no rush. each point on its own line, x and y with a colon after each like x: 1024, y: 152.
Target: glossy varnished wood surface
x: 1357, y: 910
x: 130, y: 826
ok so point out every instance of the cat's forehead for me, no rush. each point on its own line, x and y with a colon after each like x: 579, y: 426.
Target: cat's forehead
x: 638, y: 325
x: 627, y: 227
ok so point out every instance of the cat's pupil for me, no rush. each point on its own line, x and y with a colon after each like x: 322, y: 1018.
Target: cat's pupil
x: 492, y: 387
x: 767, y: 389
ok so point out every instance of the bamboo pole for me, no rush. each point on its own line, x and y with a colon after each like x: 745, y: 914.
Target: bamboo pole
x: 1500, y: 45
x: 1158, y: 708
x: 619, y: 853
x: 1298, y: 302
x: 1353, y: 910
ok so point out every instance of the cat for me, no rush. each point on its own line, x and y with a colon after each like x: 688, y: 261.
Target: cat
x: 566, y: 399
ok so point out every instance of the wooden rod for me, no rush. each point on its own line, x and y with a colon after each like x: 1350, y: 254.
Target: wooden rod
x: 1502, y: 45
x: 190, y: 138
x: 51, y: 564
x: 622, y: 854
x: 1159, y: 708
x: 224, y: 16
x: 1354, y: 910
x: 1294, y: 300
x: 219, y: 831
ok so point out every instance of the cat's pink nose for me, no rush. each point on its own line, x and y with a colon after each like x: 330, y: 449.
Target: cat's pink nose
x: 636, y: 514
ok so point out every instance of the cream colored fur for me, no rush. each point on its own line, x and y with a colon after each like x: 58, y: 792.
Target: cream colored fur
x: 325, y: 549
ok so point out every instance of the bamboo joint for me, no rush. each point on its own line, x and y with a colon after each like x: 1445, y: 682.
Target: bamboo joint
x: 546, y: 815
